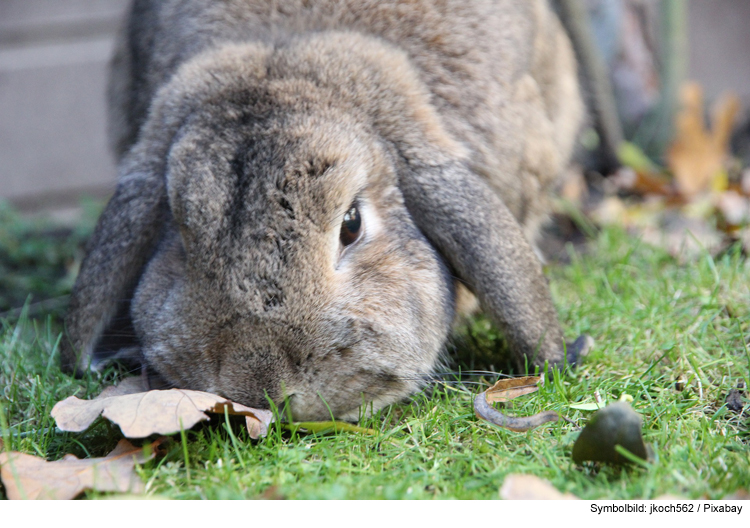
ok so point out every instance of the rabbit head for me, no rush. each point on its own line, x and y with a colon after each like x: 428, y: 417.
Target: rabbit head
x: 291, y: 267
x: 290, y: 225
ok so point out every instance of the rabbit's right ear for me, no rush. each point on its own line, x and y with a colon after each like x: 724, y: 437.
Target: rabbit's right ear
x: 120, y: 246
x: 128, y: 230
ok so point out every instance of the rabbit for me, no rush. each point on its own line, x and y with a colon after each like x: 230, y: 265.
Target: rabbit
x: 310, y: 190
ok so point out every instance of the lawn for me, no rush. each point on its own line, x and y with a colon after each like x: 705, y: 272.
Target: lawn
x: 670, y: 335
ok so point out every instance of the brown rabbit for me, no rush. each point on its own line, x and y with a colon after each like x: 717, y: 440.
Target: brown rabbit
x: 303, y: 184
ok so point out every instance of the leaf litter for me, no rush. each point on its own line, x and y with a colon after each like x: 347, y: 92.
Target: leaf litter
x: 141, y: 413
x: 699, y: 201
x: 29, y: 477
x: 530, y: 487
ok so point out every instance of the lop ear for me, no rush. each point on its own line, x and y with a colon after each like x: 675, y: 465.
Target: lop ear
x: 481, y: 240
x: 120, y: 246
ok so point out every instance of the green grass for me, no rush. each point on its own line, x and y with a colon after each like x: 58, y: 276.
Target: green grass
x: 653, y: 320
x: 39, y: 260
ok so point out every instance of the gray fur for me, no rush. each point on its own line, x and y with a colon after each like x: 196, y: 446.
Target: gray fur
x: 246, y: 128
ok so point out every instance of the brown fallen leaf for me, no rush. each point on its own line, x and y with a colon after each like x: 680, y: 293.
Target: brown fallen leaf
x: 640, y: 175
x: 683, y: 237
x: 505, y: 390
x: 155, y: 412
x: 29, y: 477
x: 510, y: 388
x: 272, y: 493
x: 530, y: 487
x: 734, y: 209
x: 697, y: 155
x: 651, y: 184
x: 740, y: 494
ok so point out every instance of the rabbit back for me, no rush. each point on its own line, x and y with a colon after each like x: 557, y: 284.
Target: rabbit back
x: 501, y: 73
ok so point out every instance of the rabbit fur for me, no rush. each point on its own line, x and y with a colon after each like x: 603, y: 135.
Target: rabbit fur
x: 246, y: 129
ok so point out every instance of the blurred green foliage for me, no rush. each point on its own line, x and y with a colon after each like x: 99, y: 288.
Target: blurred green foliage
x: 39, y: 260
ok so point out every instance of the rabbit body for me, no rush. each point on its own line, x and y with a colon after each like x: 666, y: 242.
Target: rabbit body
x: 247, y: 129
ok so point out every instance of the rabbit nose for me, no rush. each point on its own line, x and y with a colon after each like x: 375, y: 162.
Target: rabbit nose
x: 251, y: 383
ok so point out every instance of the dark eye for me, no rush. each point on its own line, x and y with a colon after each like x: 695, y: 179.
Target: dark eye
x: 351, y: 227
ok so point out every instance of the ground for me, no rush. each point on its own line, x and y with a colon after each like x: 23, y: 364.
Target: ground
x: 670, y: 335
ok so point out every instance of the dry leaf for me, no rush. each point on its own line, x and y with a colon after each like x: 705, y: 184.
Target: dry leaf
x: 740, y: 494
x: 734, y: 208
x: 613, y: 210
x: 529, y: 487
x: 510, y: 388
x: 155, y: 412
x: 650, y: 184
x: 505, y: 390
x: 697, y: 155
x: 639, y: 174
x: 272, y: 493
x: 683, y: 237
x: 29, y: 477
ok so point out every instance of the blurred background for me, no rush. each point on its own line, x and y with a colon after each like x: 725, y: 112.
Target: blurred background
x: 54, y: 54
x: 53, y: 68
x: 636, y: 57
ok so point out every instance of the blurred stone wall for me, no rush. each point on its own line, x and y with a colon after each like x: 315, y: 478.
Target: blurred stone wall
x: 53, y: 60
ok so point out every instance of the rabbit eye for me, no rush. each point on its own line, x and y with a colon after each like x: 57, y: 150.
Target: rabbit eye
x: 351, y: 227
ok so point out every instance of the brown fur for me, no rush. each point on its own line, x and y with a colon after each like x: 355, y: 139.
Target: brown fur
x: 246, y: 129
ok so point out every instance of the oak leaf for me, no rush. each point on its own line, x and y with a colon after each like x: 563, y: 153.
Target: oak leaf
x: 28, y: 477
x: 142, y: 414
x: 510, y: 388
x: 697, y: 155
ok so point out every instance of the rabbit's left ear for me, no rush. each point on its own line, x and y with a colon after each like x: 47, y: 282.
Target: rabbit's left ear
x: 484, y: 245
